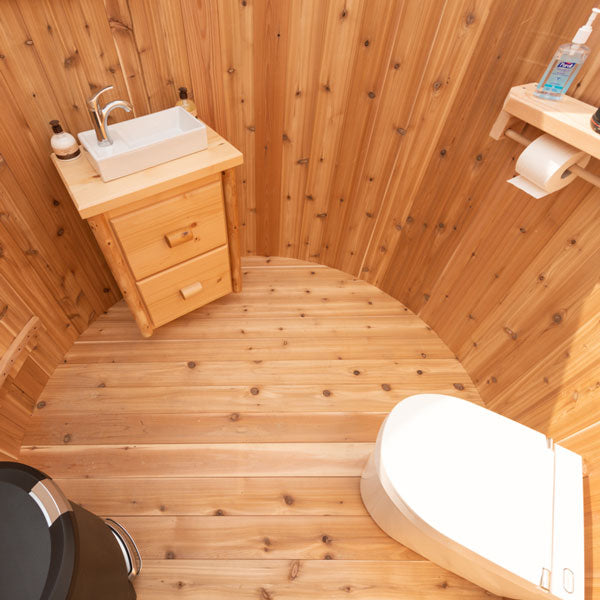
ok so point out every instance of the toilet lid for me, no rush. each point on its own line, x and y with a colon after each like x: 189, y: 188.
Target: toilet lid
x: 473, y: 476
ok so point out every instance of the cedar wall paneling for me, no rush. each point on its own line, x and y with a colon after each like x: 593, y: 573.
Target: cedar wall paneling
x: 364, y: 125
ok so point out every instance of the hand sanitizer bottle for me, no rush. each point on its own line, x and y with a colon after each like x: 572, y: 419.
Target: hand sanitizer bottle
x: 566, y: 64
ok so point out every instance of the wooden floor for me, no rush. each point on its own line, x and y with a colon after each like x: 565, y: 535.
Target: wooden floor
x: 231, y: 443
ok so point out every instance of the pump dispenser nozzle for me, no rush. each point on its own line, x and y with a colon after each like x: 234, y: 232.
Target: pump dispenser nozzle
x: 583, y: 33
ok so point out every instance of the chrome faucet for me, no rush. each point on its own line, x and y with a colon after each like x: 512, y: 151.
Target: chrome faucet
x: 100, y: 115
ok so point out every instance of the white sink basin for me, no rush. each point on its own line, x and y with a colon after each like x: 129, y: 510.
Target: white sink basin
x: 145, y: 142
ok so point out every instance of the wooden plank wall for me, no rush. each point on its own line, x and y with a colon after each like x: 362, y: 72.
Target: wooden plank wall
x: 364, y: 126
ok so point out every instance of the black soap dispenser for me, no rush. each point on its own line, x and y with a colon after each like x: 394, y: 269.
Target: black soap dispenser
x: 595, y: 121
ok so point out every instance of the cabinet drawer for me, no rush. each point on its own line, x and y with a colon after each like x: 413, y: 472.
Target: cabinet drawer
x: 169, y: 232
x: 187, y: 286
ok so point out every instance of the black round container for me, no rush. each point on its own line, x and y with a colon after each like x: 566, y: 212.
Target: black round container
x: 52, y: 549
x: 595, y: 121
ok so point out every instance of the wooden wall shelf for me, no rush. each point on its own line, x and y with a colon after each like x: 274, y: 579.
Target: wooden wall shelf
x: 567, y: 119
x: 23, y: 344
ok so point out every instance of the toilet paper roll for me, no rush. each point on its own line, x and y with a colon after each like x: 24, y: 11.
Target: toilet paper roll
x: 543, y: 166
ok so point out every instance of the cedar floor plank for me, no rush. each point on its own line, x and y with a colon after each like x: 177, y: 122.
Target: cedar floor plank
x: 217, y: 496
x: 268, y: 538
x: 203, y: 428
x: 151, y: 350
x: 200, y: 460
x: 290, y: 580
x: 310, y: 327
x: 253, y: 373
x: 58, y: 399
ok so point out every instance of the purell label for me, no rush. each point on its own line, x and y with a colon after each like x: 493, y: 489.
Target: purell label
x: 565, y: 65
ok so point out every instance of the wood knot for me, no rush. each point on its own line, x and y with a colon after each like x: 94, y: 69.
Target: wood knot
x: 170, y: 555
x: 234, y: 417
x: 419, y: 372
x: 371, y: 95
x: 191, y: 364
x: 470, y: 19
x: 326, y: 539
x: 67, y: 438
x: 162, y: 508
x: 254, y: 391
x: 326, y: 393
x: 101, y: 385
x: 265, y: 595
x: 437, y: 85
x: 356, y: 372
x: 459, y: 386
x: 288, y: 500
x: 294, y: 570
x: 386, y: 387
x: 511, y: 333
x: 41, y: 404
x: 219, y: 512
x: 557, y: 318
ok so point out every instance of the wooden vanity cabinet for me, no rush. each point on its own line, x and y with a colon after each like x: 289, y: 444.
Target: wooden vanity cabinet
x: 169, y: 233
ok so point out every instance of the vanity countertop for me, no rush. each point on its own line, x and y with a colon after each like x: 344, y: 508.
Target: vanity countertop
x: 92, y: 196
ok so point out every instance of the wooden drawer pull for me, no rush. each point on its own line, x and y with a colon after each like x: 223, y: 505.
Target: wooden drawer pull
x: 191, y: 290
x: 176, y: 238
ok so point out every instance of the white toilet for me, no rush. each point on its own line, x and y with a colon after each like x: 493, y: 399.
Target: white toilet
x: 480, y: 495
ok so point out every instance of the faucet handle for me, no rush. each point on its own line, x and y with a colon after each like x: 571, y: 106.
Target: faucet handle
x: 93, y: 101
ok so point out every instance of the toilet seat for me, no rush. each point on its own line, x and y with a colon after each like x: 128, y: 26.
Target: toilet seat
x: 475, y: 492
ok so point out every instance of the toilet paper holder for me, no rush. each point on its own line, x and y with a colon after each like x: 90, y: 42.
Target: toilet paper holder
x: 576, y: 169
x: 567, y: 120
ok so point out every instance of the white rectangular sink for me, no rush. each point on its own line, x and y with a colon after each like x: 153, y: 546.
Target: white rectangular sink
x: 145, y: 142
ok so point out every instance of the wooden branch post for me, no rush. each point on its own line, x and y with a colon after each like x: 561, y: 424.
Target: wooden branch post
x: 231, y: 211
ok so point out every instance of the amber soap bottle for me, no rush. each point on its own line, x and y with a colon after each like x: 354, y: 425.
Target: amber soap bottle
x: 186, y: 103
